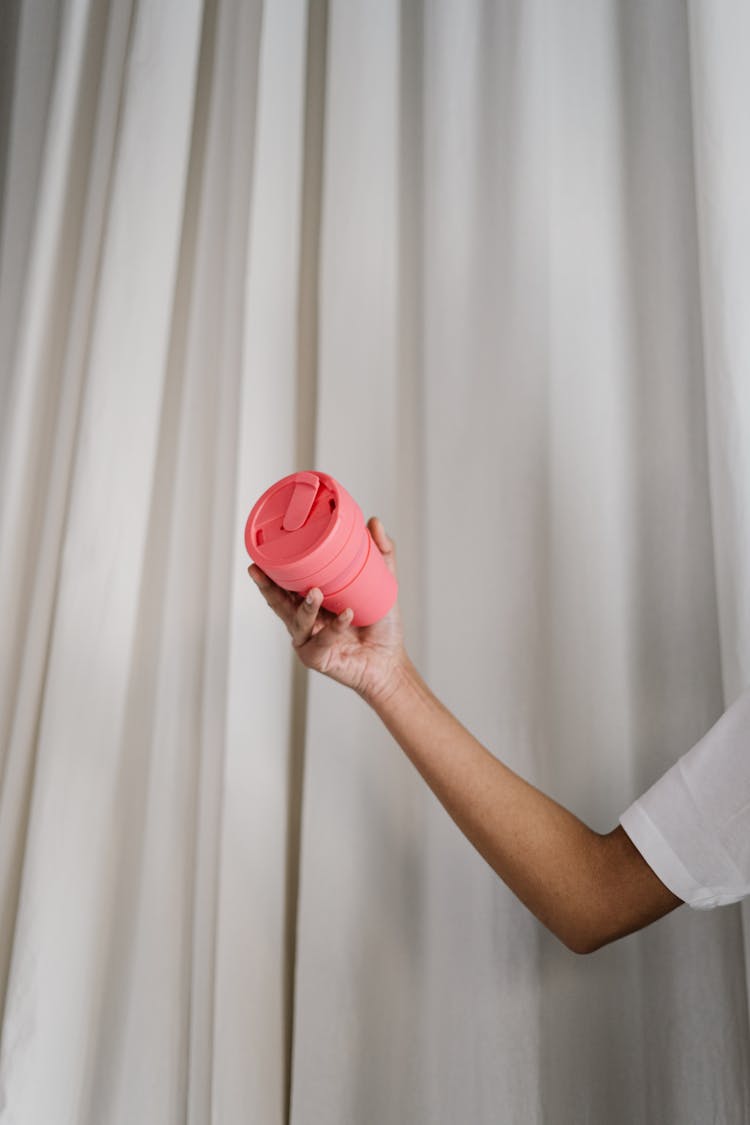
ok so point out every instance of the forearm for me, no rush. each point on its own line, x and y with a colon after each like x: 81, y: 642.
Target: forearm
x: 550, y: 859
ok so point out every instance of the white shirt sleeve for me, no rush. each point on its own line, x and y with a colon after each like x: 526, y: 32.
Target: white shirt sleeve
x: 693, y: 825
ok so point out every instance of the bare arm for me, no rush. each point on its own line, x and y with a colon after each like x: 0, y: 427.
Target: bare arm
x: 587, y: 888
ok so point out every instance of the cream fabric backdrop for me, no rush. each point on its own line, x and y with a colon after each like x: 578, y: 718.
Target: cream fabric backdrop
x: 488, y: 264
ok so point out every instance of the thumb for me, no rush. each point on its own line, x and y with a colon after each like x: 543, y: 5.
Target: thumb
x: 385, y: 545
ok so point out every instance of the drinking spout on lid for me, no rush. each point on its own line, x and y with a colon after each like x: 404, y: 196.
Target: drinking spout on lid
x: 304, y: 493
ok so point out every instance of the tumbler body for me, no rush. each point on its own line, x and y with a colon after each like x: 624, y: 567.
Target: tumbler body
x: 306, y: 530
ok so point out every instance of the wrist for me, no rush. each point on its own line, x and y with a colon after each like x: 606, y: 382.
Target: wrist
x: 396, y: 684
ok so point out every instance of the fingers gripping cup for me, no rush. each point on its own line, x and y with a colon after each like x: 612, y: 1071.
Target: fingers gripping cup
x: 306, y: 530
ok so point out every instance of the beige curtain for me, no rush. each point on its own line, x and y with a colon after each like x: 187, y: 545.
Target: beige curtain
x: 487, y: 263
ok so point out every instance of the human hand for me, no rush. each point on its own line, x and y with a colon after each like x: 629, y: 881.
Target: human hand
x: 368, y: 658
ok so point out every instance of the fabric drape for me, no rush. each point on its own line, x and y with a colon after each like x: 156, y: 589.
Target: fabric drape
x: 488, y: 264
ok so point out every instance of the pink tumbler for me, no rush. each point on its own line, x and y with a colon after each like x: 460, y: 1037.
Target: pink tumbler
x: 305, y: 531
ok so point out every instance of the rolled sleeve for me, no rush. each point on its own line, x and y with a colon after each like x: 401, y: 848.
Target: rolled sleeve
x: 693, y: 825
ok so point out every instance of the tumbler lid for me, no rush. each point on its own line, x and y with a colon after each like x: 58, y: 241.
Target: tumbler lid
x: 296, y: 526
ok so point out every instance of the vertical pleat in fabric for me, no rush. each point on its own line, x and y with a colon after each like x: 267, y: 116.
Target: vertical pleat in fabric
x: 56, y: 293
x: 720, y: 82
x: 263, y: 725
x: 486, y: 264
x: 68, y: 897
x: 359, y: 847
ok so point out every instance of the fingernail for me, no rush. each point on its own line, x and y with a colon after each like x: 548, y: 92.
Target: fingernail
x: 309, y: 599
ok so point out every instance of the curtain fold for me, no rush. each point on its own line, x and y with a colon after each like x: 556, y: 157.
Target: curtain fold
x: 486, y: 263
x: 720, y: 81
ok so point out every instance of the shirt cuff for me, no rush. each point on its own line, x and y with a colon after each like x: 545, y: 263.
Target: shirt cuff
x: 663, y: 860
